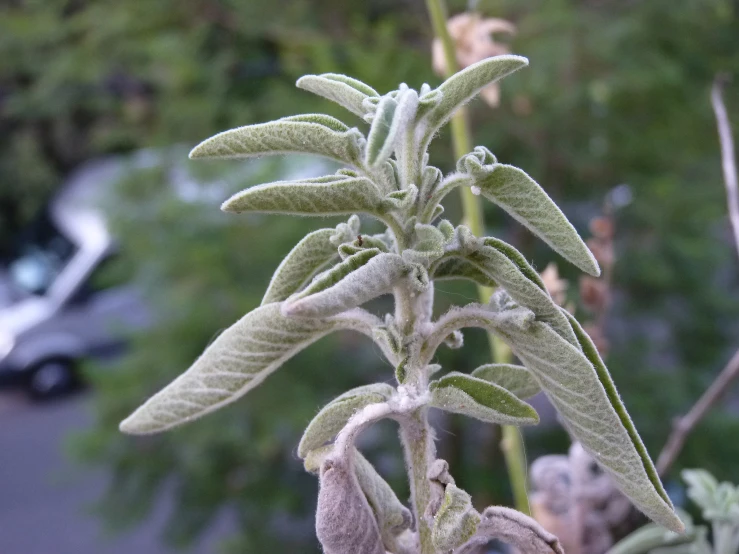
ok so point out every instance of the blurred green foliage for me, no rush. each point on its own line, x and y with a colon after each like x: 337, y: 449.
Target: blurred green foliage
x: 617, y: 93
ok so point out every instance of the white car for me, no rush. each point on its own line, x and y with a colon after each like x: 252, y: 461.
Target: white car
x: 54, y: 308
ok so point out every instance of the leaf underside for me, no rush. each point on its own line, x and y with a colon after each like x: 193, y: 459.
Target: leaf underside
x: 588, y: 403
x: 236, y: 362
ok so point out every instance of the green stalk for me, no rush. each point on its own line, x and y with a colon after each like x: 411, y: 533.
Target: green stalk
x: 511, y: 443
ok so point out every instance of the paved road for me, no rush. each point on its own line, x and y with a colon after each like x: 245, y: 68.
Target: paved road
x: 45, y: 498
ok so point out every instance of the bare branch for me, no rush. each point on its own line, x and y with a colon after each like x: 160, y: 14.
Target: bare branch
x: 728, y: 158
x: 685, y: 424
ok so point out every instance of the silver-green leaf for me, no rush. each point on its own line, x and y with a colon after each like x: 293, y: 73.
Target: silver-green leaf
x: 331, y: 195
x: 461, y: 87
x: 312, y: 253
x: 391, y: 119
x: 333, y: 417
x: 236, y: 362
x: 356, y: 280
x: 579, y: 386
x: 456, y: 520
x: 312, y: 134
x: 345, y: 91
x: 514, y: 378
x: 464, y: 394
x: 519, y: 195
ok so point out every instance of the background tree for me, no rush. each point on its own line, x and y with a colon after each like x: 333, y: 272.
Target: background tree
x: 617, y: 94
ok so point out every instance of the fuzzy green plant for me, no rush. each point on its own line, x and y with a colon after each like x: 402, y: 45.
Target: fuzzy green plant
x: 322, y: 283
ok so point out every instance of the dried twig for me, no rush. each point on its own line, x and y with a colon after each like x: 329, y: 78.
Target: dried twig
x: 685, y: 424
x: 728, y: 158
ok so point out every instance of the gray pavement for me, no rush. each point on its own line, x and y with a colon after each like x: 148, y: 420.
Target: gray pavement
x: 45, y: 498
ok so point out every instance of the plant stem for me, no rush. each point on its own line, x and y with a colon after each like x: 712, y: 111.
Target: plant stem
x: 419, y: 448
x: 511, y: 444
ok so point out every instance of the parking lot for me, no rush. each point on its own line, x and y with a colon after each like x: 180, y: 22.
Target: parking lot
x: 45, y: 498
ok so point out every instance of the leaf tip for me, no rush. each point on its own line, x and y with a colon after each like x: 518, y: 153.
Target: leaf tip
x: 197, y: 152
x: 231, y: 205
x: 133, y: 425
x: 591, y: 267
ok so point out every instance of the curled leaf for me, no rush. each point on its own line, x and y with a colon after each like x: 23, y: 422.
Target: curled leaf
x: 391, y: 515
x: 345, y: 91
x: 356, y: 280
x: 344, y: 519
x: 390, y: 120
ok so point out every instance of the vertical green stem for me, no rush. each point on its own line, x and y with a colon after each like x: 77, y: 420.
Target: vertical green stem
x: 511, y: 444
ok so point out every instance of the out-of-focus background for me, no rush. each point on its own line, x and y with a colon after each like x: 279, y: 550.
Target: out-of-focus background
x: 103, y: 219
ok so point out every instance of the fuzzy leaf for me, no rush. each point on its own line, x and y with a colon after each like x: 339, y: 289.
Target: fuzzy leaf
x: 300, y: 265
x: 392, y: 117
x: 457, y: 267
x: 461, y: 87
x: 514, y: 378
x: 514, y: 528
x: 505, y: 265
x: 333, y: 417
x: 579, y: 386
x: 319, y: 134
x: 381, y: 136
x: 391, y: 515
x: 519, y: 195
x: 345, y: 91
x: 463, y: 394
x: 344, y: 519
x: 334, y: 195
x: 236, y: 362
x: 356, y: 280
x: 456, y: 520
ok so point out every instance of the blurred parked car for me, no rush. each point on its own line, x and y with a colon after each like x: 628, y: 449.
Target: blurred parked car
x: 66, y: 293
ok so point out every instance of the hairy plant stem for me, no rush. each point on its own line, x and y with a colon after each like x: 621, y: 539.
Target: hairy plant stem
x: 511, y: 443
x: 420, y: 451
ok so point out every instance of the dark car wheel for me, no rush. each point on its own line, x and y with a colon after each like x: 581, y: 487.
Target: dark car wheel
x: 51, y: 379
